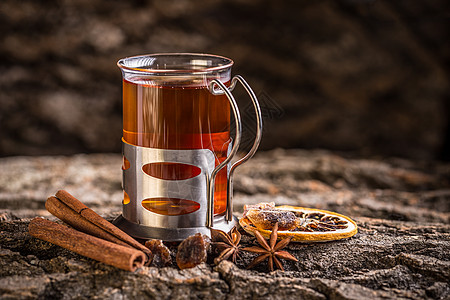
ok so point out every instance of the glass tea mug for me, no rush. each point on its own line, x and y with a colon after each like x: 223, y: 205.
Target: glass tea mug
x: 177, y: 174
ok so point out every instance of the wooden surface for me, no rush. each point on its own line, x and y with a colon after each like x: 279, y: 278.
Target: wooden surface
x: 400, y: 252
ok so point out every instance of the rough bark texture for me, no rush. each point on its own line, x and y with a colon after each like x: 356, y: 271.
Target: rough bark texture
x: 401, y: 250
x: 362, y: 75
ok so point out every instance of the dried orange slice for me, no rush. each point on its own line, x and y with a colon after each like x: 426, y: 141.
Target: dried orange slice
x: 314, y: 225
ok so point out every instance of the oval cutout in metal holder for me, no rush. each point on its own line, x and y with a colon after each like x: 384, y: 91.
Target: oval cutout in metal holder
x: 171, y: 170
x: 170, y: 206
x: 125, y: 163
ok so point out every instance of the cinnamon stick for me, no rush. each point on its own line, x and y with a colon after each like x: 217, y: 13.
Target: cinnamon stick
x: 119, y: 256
x: 72, y: 211
x: 60, y: 210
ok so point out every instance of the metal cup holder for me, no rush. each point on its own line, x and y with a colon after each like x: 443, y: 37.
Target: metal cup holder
x: 145, y: 223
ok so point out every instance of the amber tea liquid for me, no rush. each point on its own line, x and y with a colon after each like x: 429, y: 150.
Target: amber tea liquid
x: 177, y: 118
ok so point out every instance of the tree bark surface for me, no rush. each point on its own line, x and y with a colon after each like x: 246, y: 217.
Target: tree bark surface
x: 401, y: 250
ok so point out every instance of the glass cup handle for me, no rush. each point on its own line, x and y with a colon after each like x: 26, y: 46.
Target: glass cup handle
x: 259, y: 129
x: 210, y: 183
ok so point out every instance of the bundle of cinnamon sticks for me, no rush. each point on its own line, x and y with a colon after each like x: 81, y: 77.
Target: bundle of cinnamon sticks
x: 90, y: 235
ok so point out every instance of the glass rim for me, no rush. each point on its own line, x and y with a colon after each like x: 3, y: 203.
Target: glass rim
x: 141, y: 69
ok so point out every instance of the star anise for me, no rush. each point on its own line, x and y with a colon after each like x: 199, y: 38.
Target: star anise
x: 228, y: 244
x: 271, y: 251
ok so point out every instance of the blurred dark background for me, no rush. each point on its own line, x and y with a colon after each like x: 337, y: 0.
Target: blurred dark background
x: 359, y: 76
